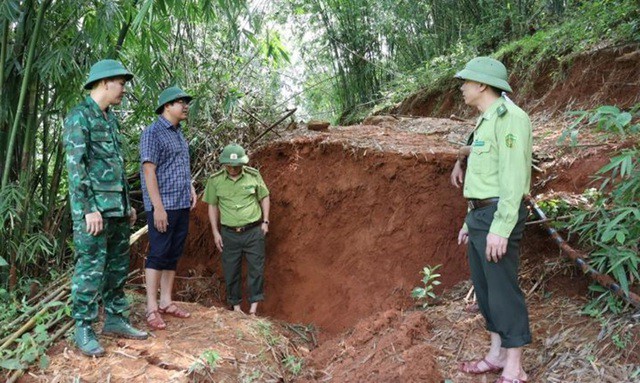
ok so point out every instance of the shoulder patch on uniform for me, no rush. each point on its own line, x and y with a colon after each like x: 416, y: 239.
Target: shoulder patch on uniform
x: 251, y: 170
x: 502, y: 110
x: 510, y: 140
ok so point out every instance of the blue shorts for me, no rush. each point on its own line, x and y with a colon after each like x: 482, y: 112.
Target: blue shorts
x: 166, y: 248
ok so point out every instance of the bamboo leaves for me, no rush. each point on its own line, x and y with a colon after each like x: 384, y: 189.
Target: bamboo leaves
x: 146, y: 10
x: 10, y: 10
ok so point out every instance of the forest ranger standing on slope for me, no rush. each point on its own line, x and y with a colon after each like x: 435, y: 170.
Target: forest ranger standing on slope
x: 497, y: 178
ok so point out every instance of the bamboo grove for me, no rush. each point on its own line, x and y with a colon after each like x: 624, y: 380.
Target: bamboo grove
x: 247, y: 62
x: 220, y: 50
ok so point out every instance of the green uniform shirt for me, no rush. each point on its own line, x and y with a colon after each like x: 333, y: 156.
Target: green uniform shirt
x: 500, y: 162
x: 239, y: 200
x: 95, y: 164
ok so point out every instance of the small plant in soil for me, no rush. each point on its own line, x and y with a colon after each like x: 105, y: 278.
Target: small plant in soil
x: 206, y: 365
x: 266, y: 332
x: 256, y: 376
x: 429, y: 281
x: 292, y: 364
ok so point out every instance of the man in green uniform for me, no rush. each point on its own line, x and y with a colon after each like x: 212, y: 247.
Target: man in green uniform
x: 100, y: 208
x: 239, y: 200
x: 497, y: 178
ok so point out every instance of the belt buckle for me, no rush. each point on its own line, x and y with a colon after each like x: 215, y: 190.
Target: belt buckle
x: 239, y: 229
x: 470, y: 205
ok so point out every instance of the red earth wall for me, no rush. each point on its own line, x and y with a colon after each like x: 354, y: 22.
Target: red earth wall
x: 350, y: 231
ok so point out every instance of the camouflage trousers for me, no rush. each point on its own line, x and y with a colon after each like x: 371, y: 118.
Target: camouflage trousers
x: 102, y: 265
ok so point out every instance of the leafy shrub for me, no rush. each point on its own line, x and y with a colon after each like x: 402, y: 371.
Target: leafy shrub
x: 607, y: 119
x: 610, y: 228
x: 608, y: 225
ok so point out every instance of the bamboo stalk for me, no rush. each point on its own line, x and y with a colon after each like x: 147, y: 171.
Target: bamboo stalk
x: 27, y: 326
x: 138, y: 234
x: 46, y: 300
x: 579, y: 258
x: 59, y: 294
x: 63, y: 330
x: 23, y: 93
x: 55, y: 284
x: 289, y: 113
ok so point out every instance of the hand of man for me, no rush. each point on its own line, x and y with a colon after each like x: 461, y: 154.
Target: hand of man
x: 217, y: 239
x: 94, y: 223
x: 457, y: 175
x: 194, y: 197
x: 463, y: 236
x: 160, y: 220
x: 496, y: 247
x: 133, y: 217
x: 265, y: 228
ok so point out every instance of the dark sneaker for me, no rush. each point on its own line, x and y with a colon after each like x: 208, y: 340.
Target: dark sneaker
x: 119, y: 326
x: 86, y: 340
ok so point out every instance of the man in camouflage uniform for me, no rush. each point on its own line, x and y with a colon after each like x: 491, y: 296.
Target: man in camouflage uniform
x: 100, y: 208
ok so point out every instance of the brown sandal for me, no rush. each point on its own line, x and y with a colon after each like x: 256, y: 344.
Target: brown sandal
x: 156, y: 323
x: 177, y: 312
x: 473, y: 367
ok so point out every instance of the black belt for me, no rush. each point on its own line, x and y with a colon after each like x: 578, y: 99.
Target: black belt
x: 478, y: 203
x: 242, y: 229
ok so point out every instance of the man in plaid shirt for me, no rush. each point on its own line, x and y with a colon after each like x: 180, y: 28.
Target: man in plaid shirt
x: 168, y: 197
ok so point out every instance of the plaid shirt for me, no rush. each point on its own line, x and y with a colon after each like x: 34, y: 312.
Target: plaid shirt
x: 164, y: 145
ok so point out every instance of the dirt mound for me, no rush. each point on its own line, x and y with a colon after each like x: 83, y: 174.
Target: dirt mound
x: 389, y: 346
x: 606, y: 76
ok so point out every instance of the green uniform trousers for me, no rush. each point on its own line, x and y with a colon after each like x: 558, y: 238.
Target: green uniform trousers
x: 500, y: 299
x: 102, y: 265
x: 251, y: 244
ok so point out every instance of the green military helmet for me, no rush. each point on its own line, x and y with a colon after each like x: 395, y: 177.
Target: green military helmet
x: 171, y: 94
x: 106, y: 69
x: 486, y: 70
x: 234, y: 155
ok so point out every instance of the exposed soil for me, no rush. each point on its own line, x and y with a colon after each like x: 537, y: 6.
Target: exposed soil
x: 245, y: 348
x: 604, y: 76
x: 356, y: 213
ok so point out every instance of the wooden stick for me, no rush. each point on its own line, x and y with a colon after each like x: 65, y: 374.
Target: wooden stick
x: 579, y: 258
x: 24, y: 315
x: 27, y: 326
x: 136, y: 236
x: 63, y: 330
x: 51, y: 286
x: 289, y: 113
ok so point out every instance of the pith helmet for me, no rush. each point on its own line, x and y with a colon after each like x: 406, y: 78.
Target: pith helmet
x: 487, y: 71
x: 234, y: 155
x: 171, y: 94
x: 106, y: 69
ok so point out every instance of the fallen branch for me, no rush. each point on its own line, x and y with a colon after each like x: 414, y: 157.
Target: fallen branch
x: 37, y: 307
x: 62, y: 331
x: 30, y: 323
x: 289, y: 113
x: 60, y: 294
x: 579, y: 258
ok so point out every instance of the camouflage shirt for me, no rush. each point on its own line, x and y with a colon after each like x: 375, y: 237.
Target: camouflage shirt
x: 94, y: 162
